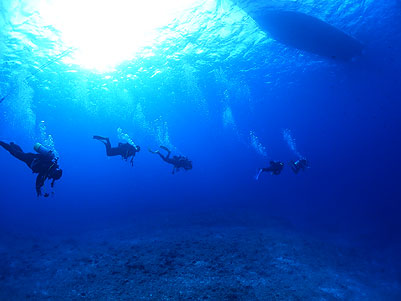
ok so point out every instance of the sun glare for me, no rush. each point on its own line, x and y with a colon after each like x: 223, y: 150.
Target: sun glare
x: 104, y: 33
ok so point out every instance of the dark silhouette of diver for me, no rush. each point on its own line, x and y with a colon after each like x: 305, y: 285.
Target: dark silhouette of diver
x: 125, y: 150
x: 274, y: 168
x: 177, y: 161
x: 44, y: 164
x: 298, y: 165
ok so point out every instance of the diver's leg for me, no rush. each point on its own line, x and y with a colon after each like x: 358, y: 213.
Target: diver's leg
x: 293, y: 167
x: 158, y: 153
x: 14, y: 150
x: 167, y: 150
x: 16, y: 146
x: 164, y: 158
x: 111, y: 151
x: 17, y: 152
x: 100, y: 138
x: 6, y: 146
x: 104, y: 140
x: 107, y: 144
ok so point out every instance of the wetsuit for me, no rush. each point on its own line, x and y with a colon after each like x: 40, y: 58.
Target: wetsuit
x: 275, y: 168
x: 38, y: 163
x: 298, y: 165
x: 125, y: 150
x: 177, y: 161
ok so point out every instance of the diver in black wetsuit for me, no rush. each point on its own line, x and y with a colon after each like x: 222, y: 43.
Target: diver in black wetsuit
x: 177, y: 161
x: 298, y: 165
x: 45, y: 165
x: 274, y: 168
x: 125, y: 150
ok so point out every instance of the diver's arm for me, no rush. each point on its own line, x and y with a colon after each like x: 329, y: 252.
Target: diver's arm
x: 40, y: 181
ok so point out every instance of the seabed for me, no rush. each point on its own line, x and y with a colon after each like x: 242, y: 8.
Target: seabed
x: 203, y: 256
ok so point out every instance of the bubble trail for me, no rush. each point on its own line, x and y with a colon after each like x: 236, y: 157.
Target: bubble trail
x: 47, y: 139
x: 257, y: 145
x: 291, y: 142
x: 125, y: 137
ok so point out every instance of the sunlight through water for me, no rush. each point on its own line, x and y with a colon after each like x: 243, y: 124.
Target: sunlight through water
x: 105, y: 33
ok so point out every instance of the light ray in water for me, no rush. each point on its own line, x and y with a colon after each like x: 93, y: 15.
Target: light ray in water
x: 48, y: 63
x: 51, y: 61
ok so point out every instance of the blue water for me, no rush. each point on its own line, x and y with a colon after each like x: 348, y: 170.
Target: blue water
x: 216, y: 88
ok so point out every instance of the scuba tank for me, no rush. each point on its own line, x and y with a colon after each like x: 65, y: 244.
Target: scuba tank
x: 40, y: 149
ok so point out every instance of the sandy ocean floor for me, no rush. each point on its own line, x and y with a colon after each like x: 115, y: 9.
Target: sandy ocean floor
x: 202, y: 257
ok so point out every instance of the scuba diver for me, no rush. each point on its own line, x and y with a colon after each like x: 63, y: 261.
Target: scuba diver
x: 44, y: 163
x: 298, y: 165
x: 274, y: 168
x: 177, y: 161
x: 125, y: 150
